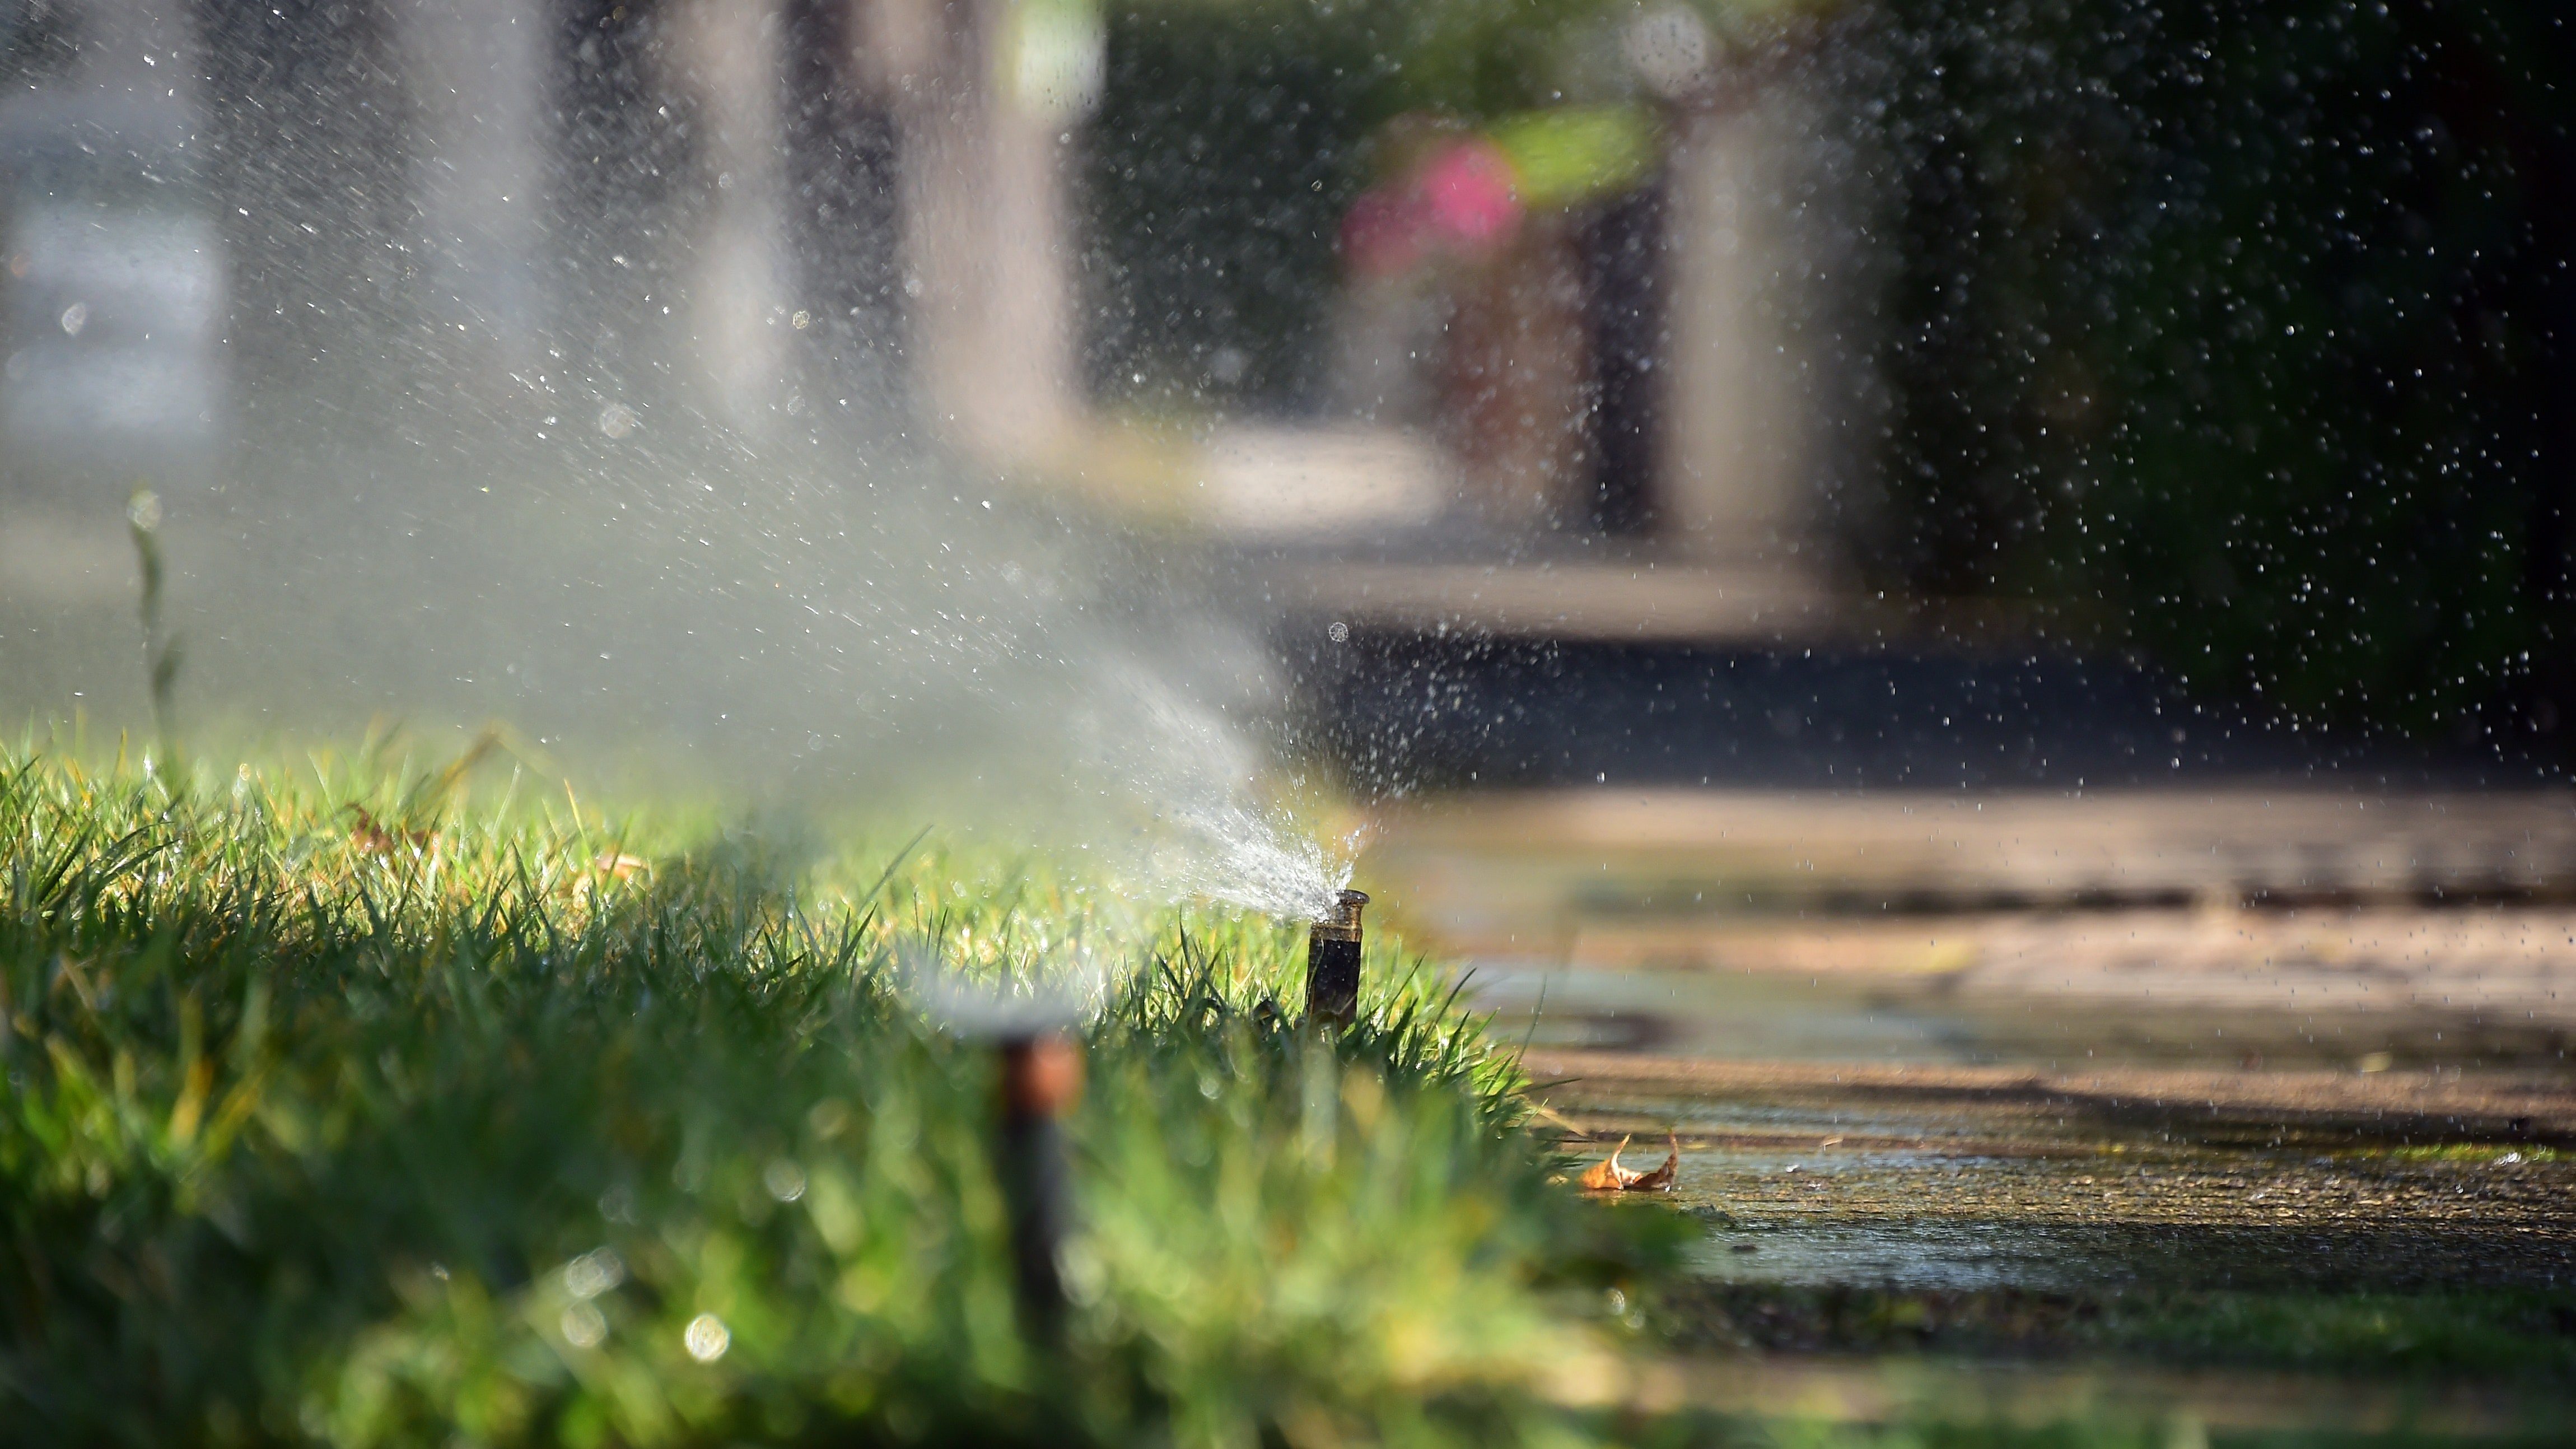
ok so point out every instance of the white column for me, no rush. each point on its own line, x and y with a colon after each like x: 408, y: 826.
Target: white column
x: 729, y: 57
x: 1738, y: 445
x: 475, y: 71
x: 987, y: 93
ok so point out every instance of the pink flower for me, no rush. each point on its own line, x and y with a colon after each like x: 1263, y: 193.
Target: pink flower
x: 1460, y: 202
x: 1468, y: 190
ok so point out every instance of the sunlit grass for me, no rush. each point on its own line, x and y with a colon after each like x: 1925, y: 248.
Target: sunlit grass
x: 342, y: 1108
x: 362, y: 1100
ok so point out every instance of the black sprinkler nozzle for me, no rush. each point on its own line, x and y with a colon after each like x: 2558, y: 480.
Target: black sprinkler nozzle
x: 1333, y: 963
x: 1041, y: 1079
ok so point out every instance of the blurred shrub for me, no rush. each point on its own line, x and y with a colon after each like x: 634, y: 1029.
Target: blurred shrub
x: 2243, y: 331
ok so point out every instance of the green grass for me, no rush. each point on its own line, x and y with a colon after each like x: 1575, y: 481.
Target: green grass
x: 344, y: 1107
x: 449, y: 1140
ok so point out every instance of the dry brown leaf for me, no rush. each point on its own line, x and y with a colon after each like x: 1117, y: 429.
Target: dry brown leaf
x: 376, y: 838
x: 1608, y: 1176
x: 1661, y: 1179
x: 623, y: 866
x: 614, y: 865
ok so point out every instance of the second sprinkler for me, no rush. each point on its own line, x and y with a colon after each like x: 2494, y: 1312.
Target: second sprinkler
x: 1333, y: 963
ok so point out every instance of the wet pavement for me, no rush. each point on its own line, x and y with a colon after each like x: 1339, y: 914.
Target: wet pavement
x: 1975, y: 1256
x: 2025, y: 1207
x: 2083, y: 1014
x: 1829, y: 1137
x: 1870, y: 1198
x: 2232, y: 1105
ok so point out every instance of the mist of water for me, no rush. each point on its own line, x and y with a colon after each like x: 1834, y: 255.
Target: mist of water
x: 833, y: 622
x: 560, y: 380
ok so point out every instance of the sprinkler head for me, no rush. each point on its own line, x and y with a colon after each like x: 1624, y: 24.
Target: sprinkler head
x: 1030, y: 1031
x: 1041, y: 1075
x: 1333, y: 963
x: 1041, y: 1079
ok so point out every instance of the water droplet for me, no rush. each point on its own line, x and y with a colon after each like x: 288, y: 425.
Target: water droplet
x: 784, y: 1179
x: 594, y: 1273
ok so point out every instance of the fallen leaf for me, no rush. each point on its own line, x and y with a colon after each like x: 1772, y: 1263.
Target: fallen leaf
x: 376, y: 838
x: 1608, y: 1176
x: 623, y: 866
x: 614, y: 865
x: 1661, y: 1179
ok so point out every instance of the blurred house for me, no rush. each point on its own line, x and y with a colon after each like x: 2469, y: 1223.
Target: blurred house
x: 1574, y: 380
x: 1589, y: 367
x: 1602, y: 320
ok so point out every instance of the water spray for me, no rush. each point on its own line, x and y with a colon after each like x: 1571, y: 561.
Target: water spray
x: 1333, y: 963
